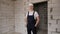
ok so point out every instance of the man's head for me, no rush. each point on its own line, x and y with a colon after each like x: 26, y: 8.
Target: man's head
x: 30, y: 6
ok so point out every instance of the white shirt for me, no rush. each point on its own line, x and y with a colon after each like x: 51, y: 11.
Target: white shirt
x: 31, y: 13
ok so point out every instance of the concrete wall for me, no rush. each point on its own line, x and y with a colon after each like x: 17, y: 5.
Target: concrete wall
x: 19, y: 17
x: 36, y: 1
x: 53, y: 17
x: 6, y: 17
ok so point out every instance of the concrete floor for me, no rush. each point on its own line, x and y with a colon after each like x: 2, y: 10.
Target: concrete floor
x: 39, y: 32
x: 42, y: 32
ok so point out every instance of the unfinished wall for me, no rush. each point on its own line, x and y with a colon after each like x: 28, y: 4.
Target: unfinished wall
x: 6, y: 17
x: 36, y: 1
x: 19, y: 17
x: 54, y: 17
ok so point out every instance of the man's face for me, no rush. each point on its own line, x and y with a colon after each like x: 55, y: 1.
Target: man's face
x: 30, y: 7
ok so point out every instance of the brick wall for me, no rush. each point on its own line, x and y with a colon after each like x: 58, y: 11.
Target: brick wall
x: 53, y: 17
x: 6, y: 17
x: 19, y: 17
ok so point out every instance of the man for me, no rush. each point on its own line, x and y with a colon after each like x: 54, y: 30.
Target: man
x: 32, y: 19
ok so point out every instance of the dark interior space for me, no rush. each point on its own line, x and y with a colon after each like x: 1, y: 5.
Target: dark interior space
x: 41, y: 8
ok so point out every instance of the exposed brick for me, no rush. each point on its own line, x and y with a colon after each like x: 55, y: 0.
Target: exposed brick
x: 56, y: 1
x: 52, y: 21
x: 6, y: 17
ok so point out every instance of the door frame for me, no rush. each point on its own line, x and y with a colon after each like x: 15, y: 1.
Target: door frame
x: 47, y: 11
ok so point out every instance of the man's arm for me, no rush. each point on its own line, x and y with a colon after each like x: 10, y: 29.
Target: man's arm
x: 37, y: 21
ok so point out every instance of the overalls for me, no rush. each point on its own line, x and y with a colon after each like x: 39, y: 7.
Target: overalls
x: 31, y: 24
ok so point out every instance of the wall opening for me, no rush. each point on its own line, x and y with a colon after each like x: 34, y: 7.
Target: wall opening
x: 41, y: 8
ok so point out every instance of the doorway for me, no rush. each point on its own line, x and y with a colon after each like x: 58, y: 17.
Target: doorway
x: 41, y: 8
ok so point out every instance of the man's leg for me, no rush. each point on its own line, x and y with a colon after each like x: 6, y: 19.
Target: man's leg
x: 28, y: 31
x: 34, y: 30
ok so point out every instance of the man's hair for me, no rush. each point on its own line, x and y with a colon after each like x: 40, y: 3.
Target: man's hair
x: 30, y: 4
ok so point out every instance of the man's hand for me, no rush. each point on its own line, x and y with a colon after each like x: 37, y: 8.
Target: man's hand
x: 35, y: 25
x: 37, y: 21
